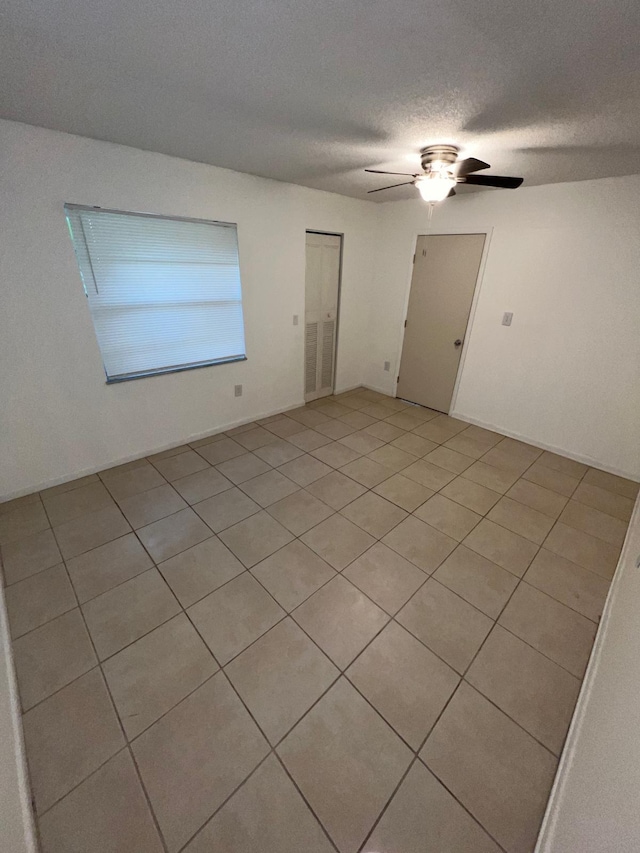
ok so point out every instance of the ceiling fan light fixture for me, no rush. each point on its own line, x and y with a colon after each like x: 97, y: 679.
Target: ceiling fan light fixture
x: 435, y: 185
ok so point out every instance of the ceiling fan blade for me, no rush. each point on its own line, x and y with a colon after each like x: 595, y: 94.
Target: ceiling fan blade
x: 492, y: 181
x: 378, y: 172
x: 404, y: 184
x: 465, y: 167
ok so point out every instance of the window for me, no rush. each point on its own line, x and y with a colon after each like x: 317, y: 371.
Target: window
x: 164, y: 293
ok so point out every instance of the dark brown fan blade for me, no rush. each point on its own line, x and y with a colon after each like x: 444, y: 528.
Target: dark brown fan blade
x: 405, y: 184
x: 378, y: 172
x: 492, y: 181
x: 465, y: 167
x: 451, y: 192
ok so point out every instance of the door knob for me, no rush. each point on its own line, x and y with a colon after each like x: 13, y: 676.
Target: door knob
x: 457, y: 343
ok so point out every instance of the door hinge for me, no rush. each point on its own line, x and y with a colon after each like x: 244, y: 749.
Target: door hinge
x: 414, y: 259
x: 405, y: 324
x: 398, y: 379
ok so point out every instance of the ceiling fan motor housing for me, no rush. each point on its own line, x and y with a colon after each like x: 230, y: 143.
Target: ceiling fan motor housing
x: 438, y: 157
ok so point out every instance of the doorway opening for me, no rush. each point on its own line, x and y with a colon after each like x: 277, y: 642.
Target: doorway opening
x: 323, y: 271
x: 445, y: 274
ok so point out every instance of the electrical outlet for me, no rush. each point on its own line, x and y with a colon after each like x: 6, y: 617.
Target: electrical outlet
x: 387, y: 366
x: 238, y: 390
x: 507, y: 317
x: 295, y: 319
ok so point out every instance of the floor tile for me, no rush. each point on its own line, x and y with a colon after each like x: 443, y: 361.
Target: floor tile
x: 156, y: 672
x: 423, y: 817
x: 449, y: 459
x: 596, y: 523
x: 266, y: 814
x: 299, y: 512
x: 331, y: 409
x: 477, y: 580
x: 285, y: 427
x: 553, y: 629
x: 374, y: 514
x: 103, y: 568
x: 578, y: 588
x: 447, y: 516
x: 174, y: 467
x: 414, y: 444
x: 253, y: 439
x: 255, y: 538
x: 609, y: 502
x: 537, y: 497
x: 308, y: 417
x: 207, y: 439
x: 146, y: 507
x: 127, y: 612
x: 493, y: 767
x: 405, y: 420
x: 346, y: 761
x: 335, y: 454
x: 338, y: 541
x: 244, y: 467
x: 512, y: 456
x: 585, y: 550
x: 308, y: 440
x: 497, y: 479
x: 472, y: 495
x: 22, y: 521
x: 230, y: 507
x: 335, y: 429
x: 535, y: 692
x: 241, y: 428
x: 440, y: 429
x: 125, y: 481
x: 341, y: 620
x: 336, y: 489
x: 7, y: 507
x: 357, y: 420
x: 235, y: 615
x: 109, y: 807
x: 51, y: 657
x: 38, y: 599
x: 169, y: 536
x: 521, y: 519
x: 304, y: 470
x: 462, y: 443
x: 562, y: 464
x: 384, y: 431
x: 199, y: 570
x: 221, y: 451
x: 73, y: 504
x: 88, y: 532
x: 278, y: 452
x: 385, y: 577
x: 392, y: 457
x: 166, y: 454
x: 59, y: 489
x: 423, y: 545
x: 201, y: 485
x: 22, y: 558
x: 292, y: 574
x: 449, y: 626
x: 405, y: 682
x: 193, y: 758
x: 68, y: 736
x: 376, y: 410
x: 403, y: 492
x: 269, y: 488
x: 280, y: 677
x: 501, y: 546
x: 367, y: 472
x: 612, y: 483
x: 428, y: 474
x: 556, y: 481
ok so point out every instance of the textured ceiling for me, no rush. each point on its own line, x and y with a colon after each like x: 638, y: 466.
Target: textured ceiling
x: 314, y: 92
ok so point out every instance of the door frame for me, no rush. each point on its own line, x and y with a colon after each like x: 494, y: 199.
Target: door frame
x: 448, y: 232
x: 339, y: 234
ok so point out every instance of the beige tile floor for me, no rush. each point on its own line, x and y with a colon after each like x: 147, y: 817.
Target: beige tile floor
x: 360, y: 626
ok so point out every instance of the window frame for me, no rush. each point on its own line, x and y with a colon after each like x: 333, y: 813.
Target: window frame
x: 160, y: 371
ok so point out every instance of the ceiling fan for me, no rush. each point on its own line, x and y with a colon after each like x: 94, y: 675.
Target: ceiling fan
x: 441, y: 171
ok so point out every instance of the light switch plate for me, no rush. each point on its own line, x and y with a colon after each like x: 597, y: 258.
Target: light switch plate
x: 507, y: 317
x: 238, y: 390
x: 295, y: 319
x: 387, y: 366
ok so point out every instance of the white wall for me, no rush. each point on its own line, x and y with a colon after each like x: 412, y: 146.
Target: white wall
x: 593, y: 806
x: 565, y: 258
x: 59, y: 418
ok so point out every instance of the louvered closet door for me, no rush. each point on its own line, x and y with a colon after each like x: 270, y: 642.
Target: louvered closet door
x: 321, y: 313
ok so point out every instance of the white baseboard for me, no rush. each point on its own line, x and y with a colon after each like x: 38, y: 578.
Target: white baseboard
x: 561, y: 451
x: 94, y: 469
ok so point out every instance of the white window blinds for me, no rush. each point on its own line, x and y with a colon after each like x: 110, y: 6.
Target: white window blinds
x: 164, y: 294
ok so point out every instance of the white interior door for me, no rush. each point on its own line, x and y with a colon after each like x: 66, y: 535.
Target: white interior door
x: 322, y: 283
x: 444, y: 278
